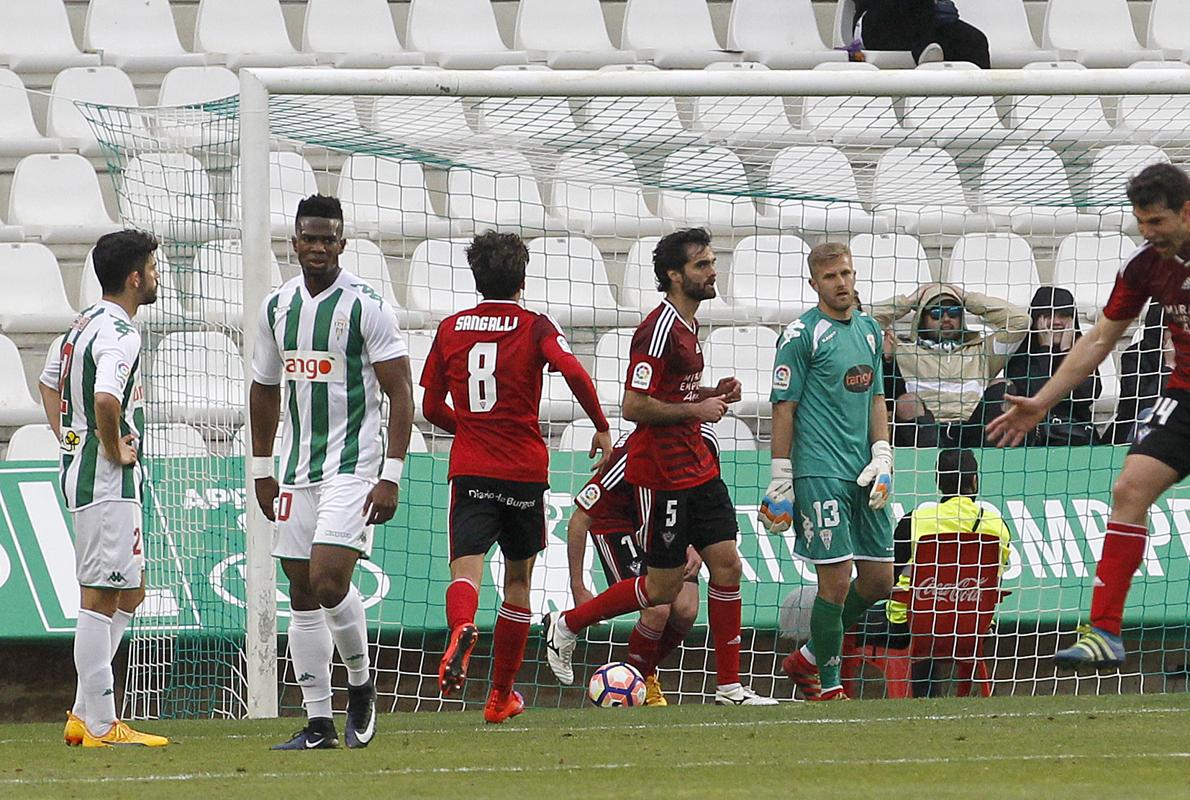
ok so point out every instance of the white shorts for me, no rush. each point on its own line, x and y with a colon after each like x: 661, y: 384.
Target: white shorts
x: 108, y: 548
x: 331, y: 512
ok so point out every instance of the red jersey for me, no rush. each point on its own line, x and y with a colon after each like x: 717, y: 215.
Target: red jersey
x: 1167, y: 281
x: 609, y: 499
x: 665, y: 362
x: 490, y: 360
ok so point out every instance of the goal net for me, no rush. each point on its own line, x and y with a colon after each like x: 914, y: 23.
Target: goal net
x: 997, y: 186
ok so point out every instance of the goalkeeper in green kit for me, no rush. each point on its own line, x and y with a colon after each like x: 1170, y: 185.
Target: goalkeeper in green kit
x: 830, y: 449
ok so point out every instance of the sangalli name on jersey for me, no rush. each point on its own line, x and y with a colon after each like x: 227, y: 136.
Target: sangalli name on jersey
x: 493, y: 324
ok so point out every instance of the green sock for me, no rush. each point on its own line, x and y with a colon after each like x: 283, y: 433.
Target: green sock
x: 826, y: 632
x: 854, y: 607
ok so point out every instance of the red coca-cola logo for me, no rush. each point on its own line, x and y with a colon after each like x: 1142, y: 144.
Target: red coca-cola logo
x: 965, y: 591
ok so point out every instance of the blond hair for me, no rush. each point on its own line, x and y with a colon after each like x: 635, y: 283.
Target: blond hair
x: 825, y: 253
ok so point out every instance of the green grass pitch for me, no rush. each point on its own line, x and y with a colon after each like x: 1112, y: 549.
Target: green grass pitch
x: 1136, y: 746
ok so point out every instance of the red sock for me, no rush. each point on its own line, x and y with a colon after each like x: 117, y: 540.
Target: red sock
x: 462, y: 598
x: 508, y: 645
x: 671, y: 637
x: 642, y: 648
x: 1123, y: 549
x: 723, y: 611
x: 620, y: 598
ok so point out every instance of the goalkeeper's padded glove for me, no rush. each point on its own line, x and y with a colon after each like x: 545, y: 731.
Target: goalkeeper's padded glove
x: 776, y: 510
x: 878, y: 473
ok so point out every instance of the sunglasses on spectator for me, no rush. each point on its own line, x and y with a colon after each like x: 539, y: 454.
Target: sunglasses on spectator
x: 937, y: 312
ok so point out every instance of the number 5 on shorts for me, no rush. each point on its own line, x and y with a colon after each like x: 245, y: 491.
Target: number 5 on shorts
x: 671, y: 513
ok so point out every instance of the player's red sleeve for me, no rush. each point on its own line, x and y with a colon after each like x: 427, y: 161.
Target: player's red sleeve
x: 1128, y: 296
x: 556, y: 351
x: 645, y: 362
x: 433, y: 380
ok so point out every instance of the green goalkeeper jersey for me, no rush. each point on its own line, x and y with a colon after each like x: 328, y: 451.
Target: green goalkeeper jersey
x: 832, y: 369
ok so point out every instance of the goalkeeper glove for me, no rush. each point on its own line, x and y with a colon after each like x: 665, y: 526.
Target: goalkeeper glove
x: 776, y: 510
x: 878, y: 473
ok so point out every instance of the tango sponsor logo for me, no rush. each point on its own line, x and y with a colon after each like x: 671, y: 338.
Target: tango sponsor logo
x: 858, y: 378
x: 313, y: 366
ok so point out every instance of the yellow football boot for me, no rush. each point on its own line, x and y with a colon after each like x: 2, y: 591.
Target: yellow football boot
x: 75, y: 730
x: 120, y: 734
x: 653, y: 694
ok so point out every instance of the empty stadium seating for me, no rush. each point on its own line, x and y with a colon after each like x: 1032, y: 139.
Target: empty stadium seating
x: 357, y: 33
x: 136, y: 36
x: 675, y: 33
x: 458, y: 34
x: 33, y: 442
x: 781, y: 34
x: 572, y: 34
x: 34, y: 299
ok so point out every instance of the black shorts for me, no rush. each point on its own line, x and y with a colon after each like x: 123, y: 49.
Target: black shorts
x: 620, y: 554
x: 699, y: 516
x: 487, y: 511
x: 1165, y: 435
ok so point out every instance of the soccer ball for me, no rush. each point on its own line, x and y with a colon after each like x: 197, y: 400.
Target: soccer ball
x: 617, y: 685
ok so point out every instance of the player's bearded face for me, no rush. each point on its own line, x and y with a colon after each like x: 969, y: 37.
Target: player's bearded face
x: 148, y: 287
x: 698, y: 275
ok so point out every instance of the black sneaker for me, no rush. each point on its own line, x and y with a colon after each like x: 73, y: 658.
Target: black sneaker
x: 361, y: 714
x: 319, y: 734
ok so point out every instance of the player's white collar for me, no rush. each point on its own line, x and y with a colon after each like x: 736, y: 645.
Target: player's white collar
x: 115, y: 308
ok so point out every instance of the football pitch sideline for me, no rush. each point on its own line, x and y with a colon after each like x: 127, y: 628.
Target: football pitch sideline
x: 1135, y: 746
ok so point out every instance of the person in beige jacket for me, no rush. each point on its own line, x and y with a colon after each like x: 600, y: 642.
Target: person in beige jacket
x: 951, y: 388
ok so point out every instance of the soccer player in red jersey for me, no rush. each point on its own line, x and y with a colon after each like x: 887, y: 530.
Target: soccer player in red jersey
x: 1160, y: 453
x: 607, y: 512
x: 680, y: 496
x: 490, y: 360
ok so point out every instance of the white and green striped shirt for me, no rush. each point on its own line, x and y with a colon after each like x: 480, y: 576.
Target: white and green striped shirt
x: 323, y: 348
x: 100, y: 353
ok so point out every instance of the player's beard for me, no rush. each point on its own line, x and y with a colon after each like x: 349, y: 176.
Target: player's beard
x: 698, y: 291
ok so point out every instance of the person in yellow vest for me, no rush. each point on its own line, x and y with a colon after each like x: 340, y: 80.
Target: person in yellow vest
x: 958, y: 483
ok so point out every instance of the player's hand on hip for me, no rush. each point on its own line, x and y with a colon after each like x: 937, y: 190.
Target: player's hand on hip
x: 730, y: 389
x: 878, y: 474
x: 601, y: 443
x: 776, y: 509
x: 1010, y: 428
x: 125, y: 454
x: 381, y: 502
x: 711, y: 409
x: 266, y: 496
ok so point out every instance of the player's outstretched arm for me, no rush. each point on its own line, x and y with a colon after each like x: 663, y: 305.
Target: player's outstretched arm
x: 576, y: 550
x: 264, y: 414
x: 395, y: 379
x: 776, y: 507
x: 1024, y: 413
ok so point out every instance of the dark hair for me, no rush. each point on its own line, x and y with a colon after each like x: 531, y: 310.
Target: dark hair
x: 117, y: 255
x: 1049, y: 301
x: 319, y: 205
x: 672, y: 252
x: 498, y: 263
x: 1160, y: 183
x: 957, y: 472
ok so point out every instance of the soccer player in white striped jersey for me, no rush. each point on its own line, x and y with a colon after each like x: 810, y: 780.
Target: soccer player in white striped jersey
x: 93, y: 399
x: 336, y: 346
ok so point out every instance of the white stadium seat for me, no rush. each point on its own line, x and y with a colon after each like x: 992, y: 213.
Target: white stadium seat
x: 571, y: 33
x: 576, y: 437
x: 996, y: 264
x: 17, y: 406
x: 107, y: 86
x: 734, y: 434
x: 56, y: 198
x: 638, y: 289
x: 747, y: 353
x: 196, y: 377
x: 215, y: 289
x: 676, y: 33
x: 1169, y: 26
x: 458, y: 34
x: 1087, y: 263
x: 1005, y: 23
x: 136, y: 35
x: 496, y: 189
x: 845, y: 119
x: 419, y: 343
x: 887, y: 264
x: 769, y: 275
x: 611, y: 365
x: 432, y: 122
x: 566, y: 278
x: 360, y: 33
x: 632, y: 123
x: 440, y: 282
x: 170, y: 194
x: 183, y: 86
x: 34, y: 298
x: 1099, y: 31
x: 970, y: 122
x: 1110, y: 172
x: 598, y: 193
x: 385, y: 198
x: 19, y: 135
x: 1039, y: 206
x: 719, y: 197
x: 743, y: 121
x: 1062, y: 120
x: 529, y: 120
x: 174, y: 440
x: 812, y: 190
x: 36, y: 37
x: 782, y: 34
x: 34, y: 442
x: 918, y: 191
x: 364, y: 259
x: 1161, y: 119
x: 246, y: 33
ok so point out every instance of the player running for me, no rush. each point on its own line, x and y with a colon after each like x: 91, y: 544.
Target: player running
x: 606, y: 509
x: 94, y: 402
x: 489, y: 359
x: 680, y: 496
x: 336, y: 346
x: 829, y: 417
x: 1160, y: 453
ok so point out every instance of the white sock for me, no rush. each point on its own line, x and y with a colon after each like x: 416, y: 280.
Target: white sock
x: 310, y: 648
x: 120, y: 621
x: 93, y: 661
x: 808, y: 654
x: 350, y: 631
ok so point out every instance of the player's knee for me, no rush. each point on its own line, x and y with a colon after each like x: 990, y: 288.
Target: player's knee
x: 329, y: 589
x: 130, y: 599
x: 683, y: 611
x: 727, y: 571
x: 1129, y: 495
x: 662, y: 591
